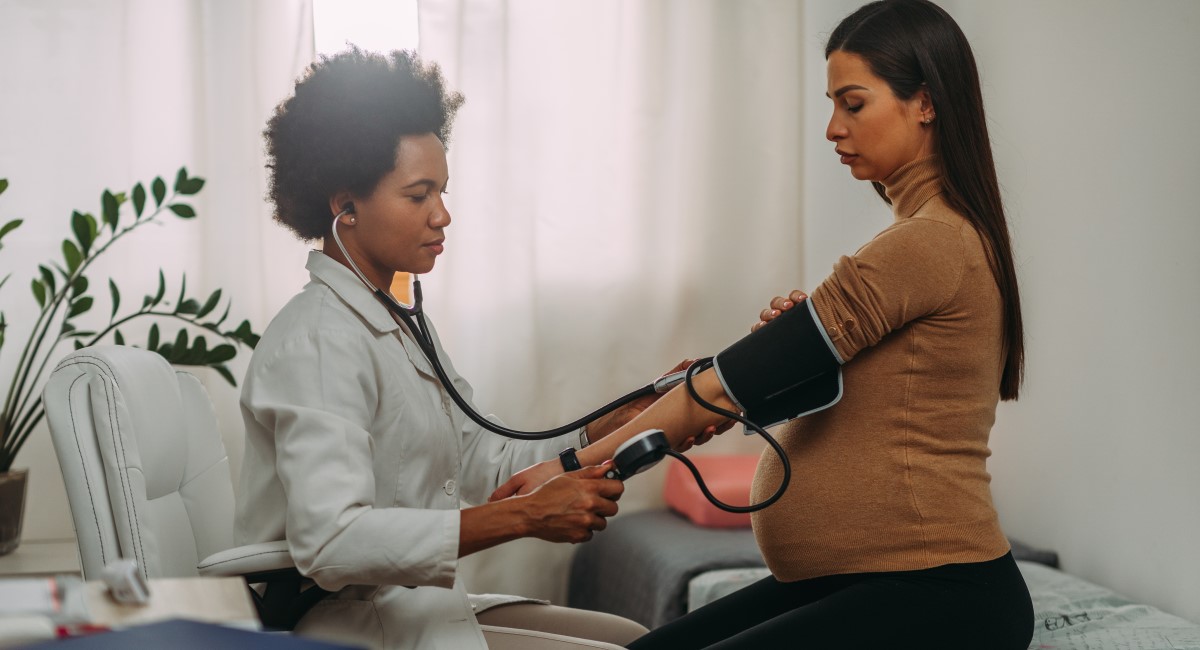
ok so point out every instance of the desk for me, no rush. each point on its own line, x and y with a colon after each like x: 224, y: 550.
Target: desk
x: 224, y: 601
x: 42, y: 557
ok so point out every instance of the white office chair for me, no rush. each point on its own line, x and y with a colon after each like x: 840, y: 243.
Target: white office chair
x: 147, y: 476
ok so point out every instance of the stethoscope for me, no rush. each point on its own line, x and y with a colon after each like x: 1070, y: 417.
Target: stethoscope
x: 635, y: 455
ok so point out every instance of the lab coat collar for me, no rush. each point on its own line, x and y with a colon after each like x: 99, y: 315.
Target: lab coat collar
x: 351, y: 290
x: 343, y: 282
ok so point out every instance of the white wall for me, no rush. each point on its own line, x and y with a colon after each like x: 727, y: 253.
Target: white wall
x: 105, y: 94
x: 1092, y: 114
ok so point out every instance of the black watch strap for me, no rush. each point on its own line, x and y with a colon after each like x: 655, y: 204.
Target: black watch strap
x: 569, y: 461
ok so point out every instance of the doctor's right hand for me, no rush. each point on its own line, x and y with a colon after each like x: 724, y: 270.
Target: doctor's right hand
x: 572, y: 506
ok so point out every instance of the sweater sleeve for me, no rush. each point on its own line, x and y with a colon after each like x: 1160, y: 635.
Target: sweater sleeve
x: 908, y: 271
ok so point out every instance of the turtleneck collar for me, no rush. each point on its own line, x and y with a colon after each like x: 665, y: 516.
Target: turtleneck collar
x: 912, y: 185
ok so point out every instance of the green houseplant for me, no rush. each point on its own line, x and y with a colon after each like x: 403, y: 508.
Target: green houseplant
x: 61, y: 289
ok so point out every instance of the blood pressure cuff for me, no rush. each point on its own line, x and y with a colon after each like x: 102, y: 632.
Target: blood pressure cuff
x: 786, y: 369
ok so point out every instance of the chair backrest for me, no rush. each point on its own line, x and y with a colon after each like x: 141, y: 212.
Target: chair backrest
x: 141, y: 455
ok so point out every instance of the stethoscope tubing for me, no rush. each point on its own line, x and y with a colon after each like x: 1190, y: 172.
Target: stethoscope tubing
x: 413, y: 318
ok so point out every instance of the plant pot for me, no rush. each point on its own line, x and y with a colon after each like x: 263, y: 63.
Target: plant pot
x: 12, y: 508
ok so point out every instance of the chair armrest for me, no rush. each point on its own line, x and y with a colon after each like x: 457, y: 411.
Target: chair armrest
x: 258, y: 562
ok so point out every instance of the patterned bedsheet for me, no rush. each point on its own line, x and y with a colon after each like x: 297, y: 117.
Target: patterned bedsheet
x: 1069, y: 613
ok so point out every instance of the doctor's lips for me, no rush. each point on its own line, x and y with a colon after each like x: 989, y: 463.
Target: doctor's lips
x: 437, y: 245
x: 847, y: 158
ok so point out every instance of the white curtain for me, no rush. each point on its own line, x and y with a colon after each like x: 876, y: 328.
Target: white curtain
x: 98, y: 95
x: 625, y: 187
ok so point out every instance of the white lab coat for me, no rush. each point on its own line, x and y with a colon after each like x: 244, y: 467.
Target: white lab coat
x: 357, y: 456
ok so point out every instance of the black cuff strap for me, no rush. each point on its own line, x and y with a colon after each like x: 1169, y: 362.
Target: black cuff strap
x: 569, y: 460
x: 786, y: 369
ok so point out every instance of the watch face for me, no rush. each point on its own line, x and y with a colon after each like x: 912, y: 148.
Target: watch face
x: 569, y: 461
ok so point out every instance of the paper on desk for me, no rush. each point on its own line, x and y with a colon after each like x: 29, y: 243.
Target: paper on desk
x: 60, y: 598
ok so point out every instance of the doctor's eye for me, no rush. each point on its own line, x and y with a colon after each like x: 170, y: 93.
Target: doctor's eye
x: 854, y: 109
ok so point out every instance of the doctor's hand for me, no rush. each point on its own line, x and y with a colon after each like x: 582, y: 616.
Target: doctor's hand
x: 531, y: 478
x: 572, y: 506
x: 778, y: 306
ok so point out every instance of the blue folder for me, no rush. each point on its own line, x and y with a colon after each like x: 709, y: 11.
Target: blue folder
x: 180, y: 634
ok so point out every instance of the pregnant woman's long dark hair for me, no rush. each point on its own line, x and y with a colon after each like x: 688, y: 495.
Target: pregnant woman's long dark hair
x: 914, y: 43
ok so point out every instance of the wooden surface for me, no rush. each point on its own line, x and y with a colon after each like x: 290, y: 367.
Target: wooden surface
x: 212, y: 600
x: 47, y: 557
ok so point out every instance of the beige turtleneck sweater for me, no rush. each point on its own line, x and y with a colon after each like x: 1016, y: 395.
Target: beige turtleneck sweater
x: 892, y: 478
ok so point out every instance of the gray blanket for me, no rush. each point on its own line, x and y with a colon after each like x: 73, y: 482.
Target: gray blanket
x: 640, y: 566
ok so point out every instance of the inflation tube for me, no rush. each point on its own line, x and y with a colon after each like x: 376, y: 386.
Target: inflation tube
x: 786, y: 369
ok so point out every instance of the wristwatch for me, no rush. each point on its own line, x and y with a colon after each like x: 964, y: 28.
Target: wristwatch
x: 568, y: 459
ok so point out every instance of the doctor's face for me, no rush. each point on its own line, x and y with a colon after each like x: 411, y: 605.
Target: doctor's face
x: 400, y: 226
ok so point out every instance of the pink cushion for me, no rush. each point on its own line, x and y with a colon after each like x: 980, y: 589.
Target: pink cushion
x: 728, y: 477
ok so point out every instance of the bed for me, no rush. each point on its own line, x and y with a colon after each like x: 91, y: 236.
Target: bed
x: 626, y: 571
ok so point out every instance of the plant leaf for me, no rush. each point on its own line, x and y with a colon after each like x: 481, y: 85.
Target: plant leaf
x: 244, y: 334
x: 187, y: 186
x: 83, y: 234
x: 181, y: 341
x: 223, y: 316
x: 118, y: 338
x: 152, y: 344
x: 3, y: 185
x: 10, y: 226
x: 72, y: 255
x: 80, y: 306
x: 188, y: 306
x: 139, y: 199
x: 224, y: 372
x: 221, y: 354
x: 209, y: 304
x: 39, y: 292
x: 160, y: 190
x: 111, y: 209
x: 78, y: 344
x: 162, y: 288
x: 182, y: 292
x: 195, y: 356
x: 183, y: 210
x: 79, y: 286
x: 190, y: 186
x: 116, y: 297
x: 48, y: 279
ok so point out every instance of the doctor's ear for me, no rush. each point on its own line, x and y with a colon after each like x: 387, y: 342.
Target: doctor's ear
x: 345, y: 212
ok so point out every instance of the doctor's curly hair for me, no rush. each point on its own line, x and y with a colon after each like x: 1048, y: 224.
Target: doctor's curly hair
x: 340, y: 129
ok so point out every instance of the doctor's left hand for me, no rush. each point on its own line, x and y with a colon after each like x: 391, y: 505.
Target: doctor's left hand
x: 530, y: 479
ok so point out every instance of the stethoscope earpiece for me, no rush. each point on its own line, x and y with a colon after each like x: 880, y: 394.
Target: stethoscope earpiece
x: 347, y: 208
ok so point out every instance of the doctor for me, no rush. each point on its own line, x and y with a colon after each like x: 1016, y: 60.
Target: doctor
x: 354, y: 453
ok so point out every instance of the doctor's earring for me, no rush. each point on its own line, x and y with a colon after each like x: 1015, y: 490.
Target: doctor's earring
x: 347, y: 209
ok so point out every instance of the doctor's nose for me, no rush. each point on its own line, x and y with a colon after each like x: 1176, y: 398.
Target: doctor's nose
x: 441, y: 216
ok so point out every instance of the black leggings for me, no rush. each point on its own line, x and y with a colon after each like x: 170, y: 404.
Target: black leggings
x: 980, y: 606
